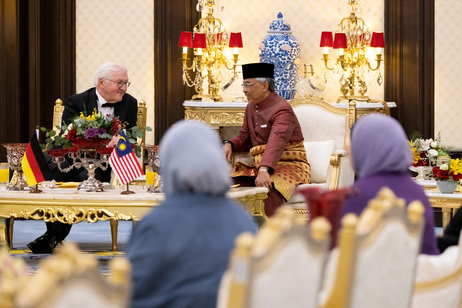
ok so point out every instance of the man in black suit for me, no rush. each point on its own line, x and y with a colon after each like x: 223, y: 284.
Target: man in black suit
x: 110, y: 98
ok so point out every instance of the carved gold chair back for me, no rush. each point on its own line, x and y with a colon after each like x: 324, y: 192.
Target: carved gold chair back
x: 58, y: 110
x: 282, y: 266
x: 374, y: 265
x: 71, y: 278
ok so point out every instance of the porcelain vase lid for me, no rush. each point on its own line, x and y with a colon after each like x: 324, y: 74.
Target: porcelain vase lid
x: 279, y: 25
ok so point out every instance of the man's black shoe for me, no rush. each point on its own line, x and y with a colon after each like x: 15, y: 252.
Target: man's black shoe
x: 41, y: 244
x: 54, y: 242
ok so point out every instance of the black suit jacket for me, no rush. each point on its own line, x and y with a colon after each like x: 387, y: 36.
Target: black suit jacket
x: 126, y: 109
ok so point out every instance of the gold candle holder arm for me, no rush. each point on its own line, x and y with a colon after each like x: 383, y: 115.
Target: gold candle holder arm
x: 326, y: 60
x: 378, y: 58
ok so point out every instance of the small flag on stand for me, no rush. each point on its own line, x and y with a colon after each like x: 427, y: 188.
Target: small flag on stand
x: 124, y: 162
x: 34, y: 165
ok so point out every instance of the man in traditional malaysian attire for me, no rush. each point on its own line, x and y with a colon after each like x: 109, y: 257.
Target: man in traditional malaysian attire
x: 273, y: 136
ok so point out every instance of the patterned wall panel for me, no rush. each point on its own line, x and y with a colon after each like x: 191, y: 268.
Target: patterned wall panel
x: 448, y: 72
x: 120, y: 31
x: 308, y: 19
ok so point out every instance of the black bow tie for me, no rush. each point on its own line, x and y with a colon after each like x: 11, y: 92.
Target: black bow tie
x: 109, y: 105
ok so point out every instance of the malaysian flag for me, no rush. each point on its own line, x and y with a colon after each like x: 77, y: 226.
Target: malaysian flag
x: 124, y: 162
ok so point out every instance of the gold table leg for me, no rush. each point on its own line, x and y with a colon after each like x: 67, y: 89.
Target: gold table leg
x: 114, y: 227
x: 446, y: 216
x: 4, y: 231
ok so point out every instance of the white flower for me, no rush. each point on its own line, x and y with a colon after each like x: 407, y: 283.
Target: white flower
x: 432, y: 152
x: 434, y: 144
x: 444, y: 167
x: 424, y: 145
x: 70, y: 127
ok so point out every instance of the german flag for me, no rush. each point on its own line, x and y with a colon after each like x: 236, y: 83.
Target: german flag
x: 34, y: 165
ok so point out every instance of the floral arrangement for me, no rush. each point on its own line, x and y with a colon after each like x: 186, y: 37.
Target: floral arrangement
x: 90, y: 128
x: 426, y: 151
x: 451, y: 172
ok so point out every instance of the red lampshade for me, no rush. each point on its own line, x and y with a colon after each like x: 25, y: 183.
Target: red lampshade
x: 186, y: 39
x: 200, y: 40
x: 340, y: 41
x: 377, y: 40
x: 326, y: 39
x: 235, y: 40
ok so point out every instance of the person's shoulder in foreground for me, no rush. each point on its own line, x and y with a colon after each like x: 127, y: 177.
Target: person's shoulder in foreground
x: 180, y: 250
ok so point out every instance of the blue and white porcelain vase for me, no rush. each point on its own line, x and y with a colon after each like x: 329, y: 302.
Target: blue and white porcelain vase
x: 282, y: 49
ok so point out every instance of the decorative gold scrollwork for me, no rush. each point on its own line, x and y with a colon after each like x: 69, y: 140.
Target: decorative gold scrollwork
x: 195, y: 115
x: 224, y: 118
x: 71, y: 216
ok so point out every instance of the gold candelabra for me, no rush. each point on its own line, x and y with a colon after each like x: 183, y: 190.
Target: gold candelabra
x: 352, y: 41
x: 209, y: 44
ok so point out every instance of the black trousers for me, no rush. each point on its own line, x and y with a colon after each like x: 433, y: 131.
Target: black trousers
x: 452, y: 232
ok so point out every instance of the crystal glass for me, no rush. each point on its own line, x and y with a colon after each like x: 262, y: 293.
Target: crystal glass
x: 4, y: 175
x: 154, y: 163
x: 14, y: 154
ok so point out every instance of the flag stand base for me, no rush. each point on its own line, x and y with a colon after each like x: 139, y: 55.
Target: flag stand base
x: 127, y: 192
x: 35, y: 189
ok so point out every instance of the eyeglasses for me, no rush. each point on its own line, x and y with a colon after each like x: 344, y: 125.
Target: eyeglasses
x: 120, y: 84
x: 247, y: 84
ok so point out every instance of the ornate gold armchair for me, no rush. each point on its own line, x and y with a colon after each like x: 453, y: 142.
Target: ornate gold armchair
x: 326, y: 130
x: 282, y: 266
x: 71, y: 278
x: 438, y: 280
x: 374, y: 264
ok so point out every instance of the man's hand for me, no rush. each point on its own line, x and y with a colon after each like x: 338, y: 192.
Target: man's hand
x: 227, y: 150
x: 114, y: 140
x: 263, y: 178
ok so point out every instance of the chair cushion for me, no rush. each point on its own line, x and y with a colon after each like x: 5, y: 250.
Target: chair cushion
x: 318, y: 155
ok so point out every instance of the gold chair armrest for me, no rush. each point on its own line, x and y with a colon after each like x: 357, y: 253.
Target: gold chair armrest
x: 335, y: 168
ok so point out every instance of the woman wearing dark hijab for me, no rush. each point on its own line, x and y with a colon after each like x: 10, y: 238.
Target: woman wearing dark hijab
x: 381, y: 157
x: 180, y: 250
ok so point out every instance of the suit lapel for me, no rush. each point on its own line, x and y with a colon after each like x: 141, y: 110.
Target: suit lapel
x: 92, y: 104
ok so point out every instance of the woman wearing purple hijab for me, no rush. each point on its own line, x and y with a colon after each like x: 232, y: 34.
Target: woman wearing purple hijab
x: 381, y: 157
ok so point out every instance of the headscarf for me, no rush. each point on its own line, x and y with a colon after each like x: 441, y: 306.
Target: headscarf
x: 378, y: 143
x: 192, y: 161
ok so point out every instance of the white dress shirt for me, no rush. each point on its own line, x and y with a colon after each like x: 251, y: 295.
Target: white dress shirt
x: 104, y: 110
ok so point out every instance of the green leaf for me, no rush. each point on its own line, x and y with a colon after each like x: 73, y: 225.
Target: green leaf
x: 43, y: 147
x: 138, y: 151
x: 49, y: 141
x: 147, y: 128
x: 138, y: 134
x: 43, y: 129
x: 129, y: 134
x: 132, y: 140
x: 49, y: 146
x: 52, y: 133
